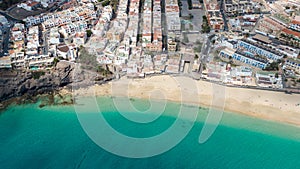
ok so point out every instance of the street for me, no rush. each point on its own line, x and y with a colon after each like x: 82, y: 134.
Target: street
x: 6, y: 32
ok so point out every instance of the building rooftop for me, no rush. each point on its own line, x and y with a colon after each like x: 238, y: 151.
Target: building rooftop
x: 260, y: 59
x: 262, y: 47
x: 290, y: 32
x: 262, y: 38
x: 63, y: 48
x: 294, y: 60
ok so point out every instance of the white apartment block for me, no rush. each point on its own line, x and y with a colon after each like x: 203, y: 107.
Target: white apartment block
x: 172, y: 16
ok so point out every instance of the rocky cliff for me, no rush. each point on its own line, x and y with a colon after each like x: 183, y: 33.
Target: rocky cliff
x: 15, y: 83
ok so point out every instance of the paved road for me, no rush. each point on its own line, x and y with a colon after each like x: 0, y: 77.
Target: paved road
x: 204, y: 52
x: 9, y: 17
x: 223, y: 16
x: 5, y: 43
x: 6, y: 35
x: 6, y: 29
x: 43, y: 35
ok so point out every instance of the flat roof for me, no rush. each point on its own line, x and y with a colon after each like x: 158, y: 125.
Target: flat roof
x: 294, y: 60
x: 262, y: 38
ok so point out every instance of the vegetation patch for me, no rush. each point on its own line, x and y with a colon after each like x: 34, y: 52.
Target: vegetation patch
x: 274, y: 66
x: 103, y: 71
x: 205, y: 26
x: 190, y: 4
x: 198, y: 47
x: 37, y: 74
x: 89, y: 33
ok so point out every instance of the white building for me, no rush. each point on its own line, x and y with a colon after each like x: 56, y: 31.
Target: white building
x: 80, y: 38
x: 293, y: 64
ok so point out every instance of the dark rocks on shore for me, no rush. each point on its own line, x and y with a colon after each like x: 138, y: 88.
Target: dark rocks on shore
x: 55, y: 99
x: 16, y: 83
x: 21, y: 86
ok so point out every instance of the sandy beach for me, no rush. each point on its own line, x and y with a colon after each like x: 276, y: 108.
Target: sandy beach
x: 269, y: 105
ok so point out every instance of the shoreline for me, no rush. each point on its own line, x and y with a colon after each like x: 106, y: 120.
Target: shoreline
x: 263, y: 104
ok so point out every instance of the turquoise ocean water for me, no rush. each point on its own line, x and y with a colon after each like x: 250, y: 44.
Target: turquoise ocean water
x: 52, y: 137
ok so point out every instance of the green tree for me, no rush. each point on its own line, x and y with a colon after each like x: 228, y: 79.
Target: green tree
x: 104, y: 71
x: 190, y: 4
x: 272, y: 66
x: 89, y: 33
x: 205, y: 26
x: 105, y: 3
x: 55, y: 61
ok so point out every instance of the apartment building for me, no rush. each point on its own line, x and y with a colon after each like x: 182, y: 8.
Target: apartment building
x: 122, y: 54
x: 293, y: 64
x: 72, y: 28
x: 157, y: 27
x: 64, y: 17
x: 268, y: 79
x: 32, y: 38
x: 173, y: 65
x: 269, y: 26
x: 18, y: 39
x: 132, y: 29
x: 152, y: 33
x: 213, y: 14
x: 5, y: 62
x: 173, y: 22
x: 80, y: 38
x: 172, y: 16
x: 38, y: 62
x: 29, y: 5
x: 238, y: 7
x: 18, y: 60
x: 54, y: 36
x: 103, y: 23
x: 147, y: 23
x: 159, y: 62
x: 259, y: 49
x: 244, y: 57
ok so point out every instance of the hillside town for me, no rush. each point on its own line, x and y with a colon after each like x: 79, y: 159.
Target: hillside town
x: 249, y: 43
